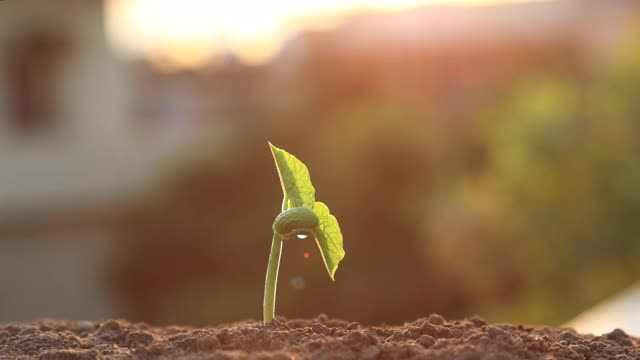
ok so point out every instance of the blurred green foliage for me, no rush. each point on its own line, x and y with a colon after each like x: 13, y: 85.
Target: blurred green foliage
x: 521, y: 208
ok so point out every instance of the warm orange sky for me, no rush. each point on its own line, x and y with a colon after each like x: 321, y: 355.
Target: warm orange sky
x: 187, y: 33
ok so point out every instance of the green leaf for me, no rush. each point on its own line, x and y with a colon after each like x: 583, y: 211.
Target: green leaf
x: 294, y: 177
x: 329, y: 238
x: 298, y: 191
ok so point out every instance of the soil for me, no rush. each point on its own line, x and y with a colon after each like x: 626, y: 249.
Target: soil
x: 319, y: 338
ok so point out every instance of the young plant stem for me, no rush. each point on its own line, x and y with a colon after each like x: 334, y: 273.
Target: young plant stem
x: 271, y: 282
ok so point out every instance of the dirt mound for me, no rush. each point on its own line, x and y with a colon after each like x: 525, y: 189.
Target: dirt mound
x: 319, y: 338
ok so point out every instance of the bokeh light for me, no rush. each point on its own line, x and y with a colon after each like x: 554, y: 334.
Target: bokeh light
x: 189, y: 33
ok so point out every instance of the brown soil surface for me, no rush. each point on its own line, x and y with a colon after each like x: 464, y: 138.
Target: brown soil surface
x: 320, y: 338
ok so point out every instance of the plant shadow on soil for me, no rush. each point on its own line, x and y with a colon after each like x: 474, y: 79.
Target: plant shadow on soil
x: 319, y: 338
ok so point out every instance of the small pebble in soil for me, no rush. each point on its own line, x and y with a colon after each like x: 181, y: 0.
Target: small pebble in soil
x: 436, y: 319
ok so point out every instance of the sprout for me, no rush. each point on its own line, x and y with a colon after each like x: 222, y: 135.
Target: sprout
x: 301, y: 217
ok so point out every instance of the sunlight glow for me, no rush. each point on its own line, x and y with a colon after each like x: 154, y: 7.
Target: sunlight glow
x: 190, y: 33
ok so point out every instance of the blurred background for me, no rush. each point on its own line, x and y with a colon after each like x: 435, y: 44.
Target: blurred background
x: 482, y: 157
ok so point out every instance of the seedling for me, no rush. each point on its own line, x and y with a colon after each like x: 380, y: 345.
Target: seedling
x: 301, y: 217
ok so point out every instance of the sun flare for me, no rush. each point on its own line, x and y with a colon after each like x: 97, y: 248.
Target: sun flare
x: 190, y: 33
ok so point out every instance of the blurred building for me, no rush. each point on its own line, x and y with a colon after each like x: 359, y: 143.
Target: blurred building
x: 66, y: 144
x: 70, y: 150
